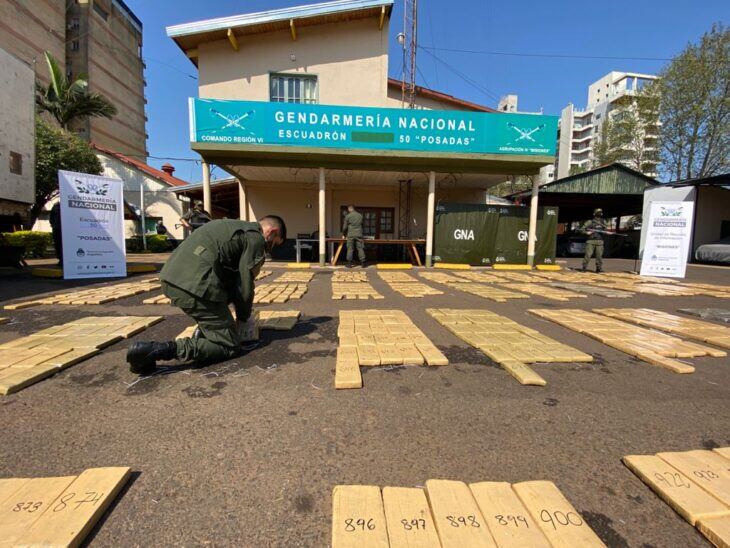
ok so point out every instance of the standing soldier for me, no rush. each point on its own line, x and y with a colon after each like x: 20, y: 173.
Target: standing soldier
x: 215, y: 266
x: 352, y: 230
x: 595, y: 228
x: 195, y: 217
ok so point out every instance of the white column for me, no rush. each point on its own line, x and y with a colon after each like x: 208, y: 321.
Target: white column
x: 206, y: 188
x: 242, y: 201
x: 429, y: 217
x: 141, y: 209
x: 322, y: 218
x: 532, y: 230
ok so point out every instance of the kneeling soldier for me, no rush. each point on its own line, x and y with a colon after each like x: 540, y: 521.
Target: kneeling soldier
x: 215, y: 266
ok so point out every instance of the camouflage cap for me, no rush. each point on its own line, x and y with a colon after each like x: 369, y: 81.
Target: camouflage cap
x: 597, y: 211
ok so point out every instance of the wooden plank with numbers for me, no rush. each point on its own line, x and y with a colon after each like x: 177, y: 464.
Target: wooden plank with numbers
x: 9, y: 486
x: 560, y: 522
x: 358, y: 519
x: 707, y: 469
x: 675, y: 488
x: 458, y: 520
x: 78, y: 508
x: 21, y: 510
x: 450, y: 514
x: 409, y: 520
x: 508, y: 520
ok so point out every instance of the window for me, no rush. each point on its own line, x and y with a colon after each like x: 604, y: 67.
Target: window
x: 386, y: 221
x: 74, y: 25
x: 293, y: 88
x: 75, y: 46
x: 16, y: 163
x: 101, y: 11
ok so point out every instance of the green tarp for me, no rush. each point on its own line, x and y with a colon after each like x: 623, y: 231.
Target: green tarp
x: 480, y: 234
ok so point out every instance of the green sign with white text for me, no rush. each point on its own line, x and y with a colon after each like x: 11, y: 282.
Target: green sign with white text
x: 345, y: 127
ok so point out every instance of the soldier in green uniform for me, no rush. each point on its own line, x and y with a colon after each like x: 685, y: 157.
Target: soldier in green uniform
x: 352, y: 230
x: 214, y: 267
x: 195, y: 217
x: 595, y: 228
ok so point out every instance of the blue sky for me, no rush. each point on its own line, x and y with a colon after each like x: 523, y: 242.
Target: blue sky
x: 621, y: 28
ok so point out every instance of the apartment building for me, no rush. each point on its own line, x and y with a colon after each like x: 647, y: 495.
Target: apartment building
x: 17, y: 143
x: 99, y: 38
x: 104, y: 41
x: 579, y: 129
x: 30, y: 27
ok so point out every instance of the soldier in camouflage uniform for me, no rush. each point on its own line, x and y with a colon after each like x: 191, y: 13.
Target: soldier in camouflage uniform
x: 352, y: 230
x: 595, y: 228
x: 214, y: 267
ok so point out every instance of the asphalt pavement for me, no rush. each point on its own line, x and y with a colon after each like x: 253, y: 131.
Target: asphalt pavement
x: 246, y: 452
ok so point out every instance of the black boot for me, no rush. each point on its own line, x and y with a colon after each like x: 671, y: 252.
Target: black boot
x: 349, y: 264
x: 362, y: 264
x: 142, y: 356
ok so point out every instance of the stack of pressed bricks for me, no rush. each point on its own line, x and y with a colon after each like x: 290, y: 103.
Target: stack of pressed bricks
x: 380, y: 337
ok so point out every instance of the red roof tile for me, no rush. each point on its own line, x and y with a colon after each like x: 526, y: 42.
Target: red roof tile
x: 444, y: 97
x: 149, y: 170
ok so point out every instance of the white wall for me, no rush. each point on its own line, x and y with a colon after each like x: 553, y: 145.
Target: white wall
x: 158, y: 202
x: 350, y: 60
x: 17, y: 132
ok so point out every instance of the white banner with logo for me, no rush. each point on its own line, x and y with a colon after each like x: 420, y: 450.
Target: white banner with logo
x: 92, y: 221
x: 668, y: 236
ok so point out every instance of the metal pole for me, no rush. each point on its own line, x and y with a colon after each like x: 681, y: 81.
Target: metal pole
x: 206, y: 188
x: 322, y: 226
x: 532, y: 230
x: 429, y: 217
x: 141, y: 208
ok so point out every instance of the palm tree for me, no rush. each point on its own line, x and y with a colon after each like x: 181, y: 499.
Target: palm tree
x: 70, y: 100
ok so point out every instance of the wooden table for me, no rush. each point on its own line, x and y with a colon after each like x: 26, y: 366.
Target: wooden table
x: 410, y: 245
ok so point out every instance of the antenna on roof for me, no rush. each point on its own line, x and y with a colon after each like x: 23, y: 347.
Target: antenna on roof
x: 409, y: 40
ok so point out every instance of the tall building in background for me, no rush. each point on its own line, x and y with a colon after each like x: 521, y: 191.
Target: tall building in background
x: 99, y: 38
x: 508, y: 103
x: 104, y: 41
x: 580, y: 128
x: 30, y: 27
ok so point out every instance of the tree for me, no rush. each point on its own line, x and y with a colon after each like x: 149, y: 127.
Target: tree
x: 519, y: 183
x: 695, y: 108
x: 630, y: 135
x: 576, y: 169
x: 70, y: 100
x: 57, y: 149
